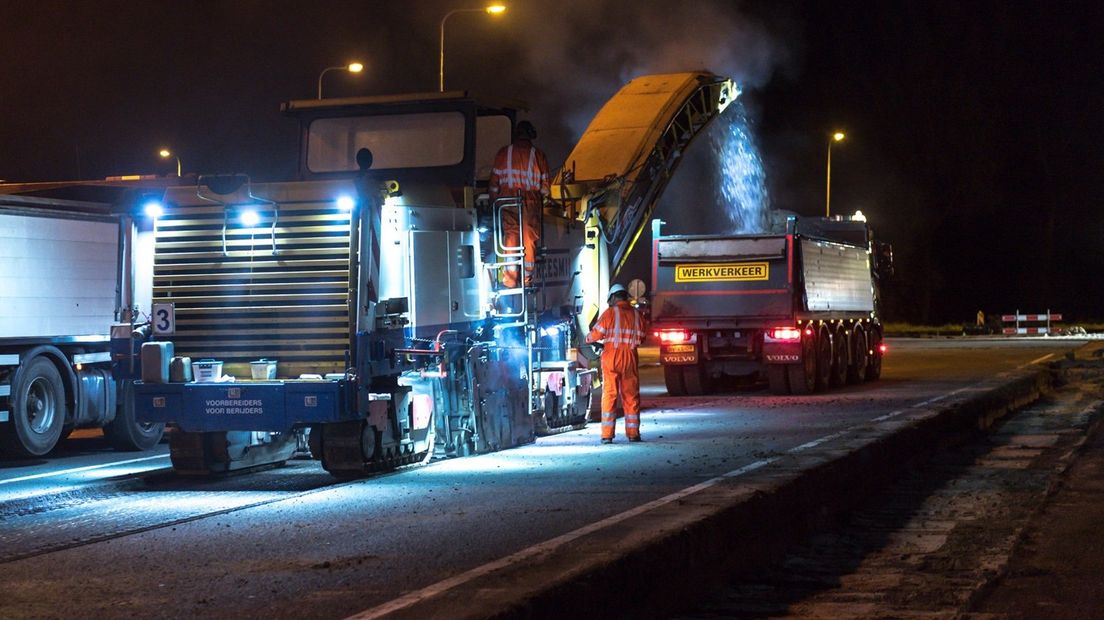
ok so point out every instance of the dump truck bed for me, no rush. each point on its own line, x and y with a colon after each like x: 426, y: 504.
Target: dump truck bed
x: 58, y: 275
x: 716, y: 281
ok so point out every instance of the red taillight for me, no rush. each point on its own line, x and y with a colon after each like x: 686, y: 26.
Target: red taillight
x: 882, y: 348
x: 673, y: 336
x: 785, y: 333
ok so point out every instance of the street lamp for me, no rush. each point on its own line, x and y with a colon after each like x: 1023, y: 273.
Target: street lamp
x: 836, y: 137
x: 353, y: 67
x: 165, y: 154
x: 493, y: 9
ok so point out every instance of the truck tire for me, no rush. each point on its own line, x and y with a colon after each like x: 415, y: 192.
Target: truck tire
x: 693, y: 377
x: 127, y: 434
x: 856, y: 370
x: 37, y: 408
x: 778, y: 379
x: 803, y: 374
x: 672, y: 376
x: 874, y: 367
x: 823, y: 362
x: 839, y: 359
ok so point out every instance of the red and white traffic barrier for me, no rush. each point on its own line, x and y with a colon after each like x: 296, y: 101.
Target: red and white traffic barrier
x: 1018, y: 318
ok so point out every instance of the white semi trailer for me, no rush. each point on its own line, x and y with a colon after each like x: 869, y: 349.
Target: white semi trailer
x: 66, y: 277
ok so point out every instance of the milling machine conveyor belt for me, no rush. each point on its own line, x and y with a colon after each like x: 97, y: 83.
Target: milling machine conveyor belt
x: 627, y: 154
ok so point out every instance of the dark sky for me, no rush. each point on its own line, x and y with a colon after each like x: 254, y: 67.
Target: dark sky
x: 975, y: 129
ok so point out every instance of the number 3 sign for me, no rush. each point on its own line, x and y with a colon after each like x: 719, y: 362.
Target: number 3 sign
x: 164, y: 318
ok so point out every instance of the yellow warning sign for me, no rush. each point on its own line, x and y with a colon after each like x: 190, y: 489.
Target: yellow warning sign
x: 721, y: 272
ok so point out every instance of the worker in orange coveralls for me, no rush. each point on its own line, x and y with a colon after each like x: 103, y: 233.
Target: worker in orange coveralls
x: 621, y: 330
x: 521, y: 169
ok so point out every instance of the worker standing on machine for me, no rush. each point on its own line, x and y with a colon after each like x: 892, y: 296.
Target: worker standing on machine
x: 621, y: 330
x: 521, y: 169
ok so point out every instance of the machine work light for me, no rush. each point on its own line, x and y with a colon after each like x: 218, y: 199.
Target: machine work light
x: 153, y: 209
x: 250, y: 218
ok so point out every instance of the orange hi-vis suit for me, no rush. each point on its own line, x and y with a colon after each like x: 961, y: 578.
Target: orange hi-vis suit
x: 521, y: 169
x: 621, y: 328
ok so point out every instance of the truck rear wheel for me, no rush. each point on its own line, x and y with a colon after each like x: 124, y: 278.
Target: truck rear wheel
x: 693, y: 377
x: 37, y: 408
x: 672, y: 376
x: 125, y: 432
x: 778, y: 379
x: 874, y: 366
x: 823, y: 362
x: 803, y: 374
x: 839, y: 360
x: 856, y: 371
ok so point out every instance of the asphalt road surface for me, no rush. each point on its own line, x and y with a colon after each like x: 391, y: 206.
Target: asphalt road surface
x: 92, y: 533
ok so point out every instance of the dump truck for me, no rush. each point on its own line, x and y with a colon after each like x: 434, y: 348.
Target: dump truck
x: 798, y: 307
x: 67, y: 283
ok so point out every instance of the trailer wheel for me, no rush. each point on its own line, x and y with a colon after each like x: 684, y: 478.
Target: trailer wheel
x: 125, y: 432
x: 839, y: 359
x: 823, y: 362
x: 803, y: 374
x: 856, y: 371
x: 778, y: 379
x: 37, y: 408
x: 693, y: 377
x: 874, y: 367
x: 672, y: 376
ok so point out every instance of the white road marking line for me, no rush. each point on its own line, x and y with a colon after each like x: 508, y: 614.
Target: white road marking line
x: 816, y: 442
x: 891, y: 414
x: 77, y: 470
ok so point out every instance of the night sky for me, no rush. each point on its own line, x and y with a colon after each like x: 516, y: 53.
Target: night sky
x: 975, y: 129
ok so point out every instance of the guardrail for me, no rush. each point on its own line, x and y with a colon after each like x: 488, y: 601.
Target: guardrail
x: 1034, y: 319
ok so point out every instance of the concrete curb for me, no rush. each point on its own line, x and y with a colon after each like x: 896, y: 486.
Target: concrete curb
x: 660, y: 561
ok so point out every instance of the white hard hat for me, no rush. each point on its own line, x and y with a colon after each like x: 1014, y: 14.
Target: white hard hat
x: 616, y: 288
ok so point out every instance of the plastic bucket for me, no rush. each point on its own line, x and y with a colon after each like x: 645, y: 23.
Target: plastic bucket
x: 263, y: 369
x: 207, y: 370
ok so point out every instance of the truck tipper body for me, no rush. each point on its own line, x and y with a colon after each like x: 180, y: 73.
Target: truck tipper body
x: 797, y: 307
x: 66, y: 278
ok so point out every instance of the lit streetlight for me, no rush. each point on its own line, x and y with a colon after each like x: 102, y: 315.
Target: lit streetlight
x: 836, y: 137
x: 165, y: 154
x: 353, y: 67
x: 494, y: 9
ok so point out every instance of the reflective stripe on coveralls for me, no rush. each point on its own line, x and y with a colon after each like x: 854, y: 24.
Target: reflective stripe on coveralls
x: 521, y: 170
x: 621, y: 329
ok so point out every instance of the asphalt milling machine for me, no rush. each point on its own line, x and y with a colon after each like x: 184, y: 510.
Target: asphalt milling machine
x: 359, y: 305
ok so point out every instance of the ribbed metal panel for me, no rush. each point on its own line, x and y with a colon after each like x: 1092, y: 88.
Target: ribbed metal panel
x: 291, y: 305
x: 837, y: 277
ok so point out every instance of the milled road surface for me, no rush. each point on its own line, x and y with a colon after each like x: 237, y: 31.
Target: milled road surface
x: 939, y: 536
x: 290, y: 542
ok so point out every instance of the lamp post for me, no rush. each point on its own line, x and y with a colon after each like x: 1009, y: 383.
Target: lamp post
x: 494, y: 9
x: 836, y: 137
x: 353, y: 67
x: 165, y: 154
